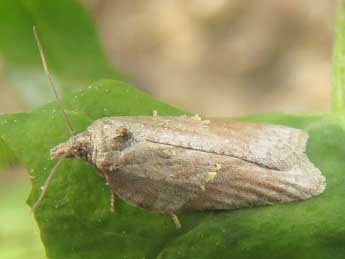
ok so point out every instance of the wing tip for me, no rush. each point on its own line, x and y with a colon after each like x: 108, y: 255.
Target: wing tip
x: 293, y: 150
x: 319, y: 180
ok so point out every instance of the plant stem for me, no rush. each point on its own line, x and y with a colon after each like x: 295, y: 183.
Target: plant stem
x: 338, y: 75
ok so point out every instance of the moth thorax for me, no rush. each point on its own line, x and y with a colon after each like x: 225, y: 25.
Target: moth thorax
x: 121, y: 139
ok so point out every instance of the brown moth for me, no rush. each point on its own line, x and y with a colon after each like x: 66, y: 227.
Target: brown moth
x: 176, y: 164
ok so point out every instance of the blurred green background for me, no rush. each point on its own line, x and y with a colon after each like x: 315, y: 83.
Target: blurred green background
x: 216, y: 58
x: 19, y: 236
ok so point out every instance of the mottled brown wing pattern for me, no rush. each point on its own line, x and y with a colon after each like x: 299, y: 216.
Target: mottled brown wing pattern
x: 164, y: 178
x: 274, y: 146
x: 250, y: 185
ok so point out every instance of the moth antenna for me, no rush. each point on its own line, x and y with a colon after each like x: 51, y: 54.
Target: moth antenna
x: 47, y: 182
x: 50, y: 81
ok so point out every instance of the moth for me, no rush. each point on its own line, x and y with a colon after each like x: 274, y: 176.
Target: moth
x: 178, y: 164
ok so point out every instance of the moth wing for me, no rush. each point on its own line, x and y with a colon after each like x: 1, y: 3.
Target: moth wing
x: 274, y: 146
x: 250, y: 185
x: 149, y: 177
x: 162, y: 178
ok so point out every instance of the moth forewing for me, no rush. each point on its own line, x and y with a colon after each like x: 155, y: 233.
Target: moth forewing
x: 177, y: 177
x: 274, y: 146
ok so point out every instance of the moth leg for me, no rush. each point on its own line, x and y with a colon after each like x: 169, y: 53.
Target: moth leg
x: 112, y: 194
x: 175, y: 220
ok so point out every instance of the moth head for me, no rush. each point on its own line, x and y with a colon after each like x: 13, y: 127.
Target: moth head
x: 78, y: 146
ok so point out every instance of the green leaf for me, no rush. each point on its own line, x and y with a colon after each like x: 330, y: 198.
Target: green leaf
x: 7, y: 157
x: 339, y: 61
x: 70, y: 44
x: 75, y: 219
x: 19, y: 234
